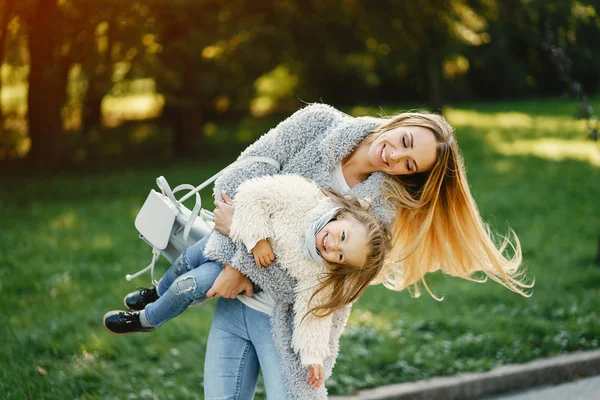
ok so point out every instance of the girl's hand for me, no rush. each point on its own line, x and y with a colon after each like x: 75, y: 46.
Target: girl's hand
x: 315, y: 375
x: 263, y: 253
x: 230, y: 283
x: 223, y: 214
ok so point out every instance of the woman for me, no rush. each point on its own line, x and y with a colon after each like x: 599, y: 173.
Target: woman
x: 409, y: 167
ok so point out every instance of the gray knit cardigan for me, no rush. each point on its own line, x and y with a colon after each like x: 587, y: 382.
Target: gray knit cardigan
x: 308, y: 143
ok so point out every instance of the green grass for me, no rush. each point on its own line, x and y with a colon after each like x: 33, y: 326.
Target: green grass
x: 66, y: 243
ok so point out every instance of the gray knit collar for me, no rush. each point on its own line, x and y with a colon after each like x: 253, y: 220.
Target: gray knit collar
x: 346, y: 136
x: 343, y: 138
x: 318, y: 159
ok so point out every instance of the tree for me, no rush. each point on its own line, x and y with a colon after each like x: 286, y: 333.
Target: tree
x: 47, y: 83
x: 6, y: 14
x: 115, y: 32
x: 212, y: 52
x: 61, y: 34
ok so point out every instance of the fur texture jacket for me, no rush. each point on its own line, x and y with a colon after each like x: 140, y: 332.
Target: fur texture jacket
x: 281, y: 208
x: 309, y: 143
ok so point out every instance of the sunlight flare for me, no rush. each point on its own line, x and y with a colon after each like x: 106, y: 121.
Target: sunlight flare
x: 553, y: 149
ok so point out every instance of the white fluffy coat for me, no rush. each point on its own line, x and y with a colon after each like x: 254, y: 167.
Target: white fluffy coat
x: 281, y: 208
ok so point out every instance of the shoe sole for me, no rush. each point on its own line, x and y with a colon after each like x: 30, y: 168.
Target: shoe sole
x: 120, y: 334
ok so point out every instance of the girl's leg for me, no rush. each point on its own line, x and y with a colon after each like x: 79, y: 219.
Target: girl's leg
x: 183, y: 291
x: 231, y: 364
x: 189, y: 259
x: 259, y: 330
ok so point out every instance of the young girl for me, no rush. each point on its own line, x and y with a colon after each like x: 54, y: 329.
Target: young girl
x: 331, y: 245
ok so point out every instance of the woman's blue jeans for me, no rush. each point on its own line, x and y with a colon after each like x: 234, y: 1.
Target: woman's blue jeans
x: 185, y: 282
x: 240, y: 344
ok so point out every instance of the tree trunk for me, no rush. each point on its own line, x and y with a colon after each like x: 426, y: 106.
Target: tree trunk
x: 435, y: 95
x: 99, y: 72
x: 186, y: 122
x: 6, y: 16
x: 184, y: 113
x: 92, y: 105
x: 46, y: 92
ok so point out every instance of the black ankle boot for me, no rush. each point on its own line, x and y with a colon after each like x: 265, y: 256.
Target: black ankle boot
x: 137, y: 301
x: 123, y: 322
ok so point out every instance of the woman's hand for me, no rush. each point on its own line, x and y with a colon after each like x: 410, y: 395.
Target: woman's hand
x: 315, y: 375
x: 230, y: 283
x: 263, y: 253
x: 223, y: 214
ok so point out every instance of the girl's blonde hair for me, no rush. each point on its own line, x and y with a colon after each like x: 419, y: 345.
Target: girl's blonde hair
x: 437, y: 224
x: 346, y: 283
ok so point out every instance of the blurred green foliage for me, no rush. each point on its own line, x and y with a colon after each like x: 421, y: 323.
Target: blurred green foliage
x: 72, y: 68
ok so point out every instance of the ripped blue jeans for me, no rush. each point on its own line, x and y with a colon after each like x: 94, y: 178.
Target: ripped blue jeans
x: 185, y: 282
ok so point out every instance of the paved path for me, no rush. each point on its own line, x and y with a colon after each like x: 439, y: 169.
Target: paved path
x: 516, y: 378
x: 582, y: 389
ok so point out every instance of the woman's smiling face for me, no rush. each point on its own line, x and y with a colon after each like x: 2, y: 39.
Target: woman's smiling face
x: 403, y: 150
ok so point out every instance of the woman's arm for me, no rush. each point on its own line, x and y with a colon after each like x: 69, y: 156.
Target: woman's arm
x: 230, y: 283
x: 281, y: 143
x: 255, y: 202
x: 223, y: 214
x: 259, y: 199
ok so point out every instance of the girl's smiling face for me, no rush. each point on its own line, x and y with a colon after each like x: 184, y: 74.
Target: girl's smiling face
x: 343, y: 241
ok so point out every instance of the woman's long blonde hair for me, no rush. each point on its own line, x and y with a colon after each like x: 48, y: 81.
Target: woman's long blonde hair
x: 437, y: 224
